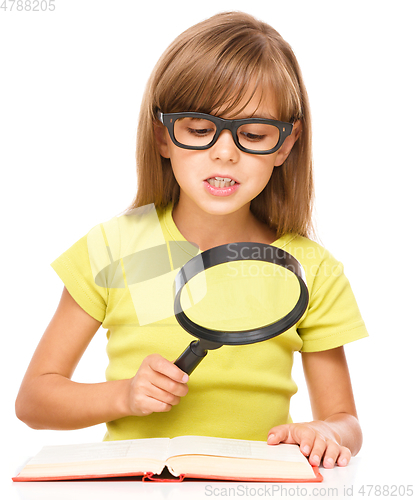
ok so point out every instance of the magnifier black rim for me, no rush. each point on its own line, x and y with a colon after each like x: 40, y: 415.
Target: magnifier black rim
x: 241, y: 251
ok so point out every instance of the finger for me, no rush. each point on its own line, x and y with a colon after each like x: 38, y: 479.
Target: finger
x: 163, y: 396
x: 151, y: 405
x: 305, y: 436
x: 167, y: 368
x: 161, y: 384
x: 153, y: 400
x: 151, y: 383
x: 331, y: 454
x: 344, y: 457
x: 317, y: 451
x: 301, y: 434
x: 279, y: 434
x: 168, y: 385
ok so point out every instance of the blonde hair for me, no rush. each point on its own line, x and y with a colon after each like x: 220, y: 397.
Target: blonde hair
x: 212, y: 65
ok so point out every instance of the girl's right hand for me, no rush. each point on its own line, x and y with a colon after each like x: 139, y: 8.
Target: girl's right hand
x: 157, y: 386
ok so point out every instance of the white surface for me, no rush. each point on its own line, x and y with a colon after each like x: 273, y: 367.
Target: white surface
x: 70, y: 89
x: 338, y: 483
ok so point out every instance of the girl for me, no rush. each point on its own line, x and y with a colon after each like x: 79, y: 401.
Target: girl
x: 223, y: 156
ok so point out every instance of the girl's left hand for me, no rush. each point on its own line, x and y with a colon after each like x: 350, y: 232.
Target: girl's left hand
x: 317, y: 441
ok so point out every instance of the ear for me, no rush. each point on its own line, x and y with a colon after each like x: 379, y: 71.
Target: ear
x: 289, y: 142
x: 161, y: 136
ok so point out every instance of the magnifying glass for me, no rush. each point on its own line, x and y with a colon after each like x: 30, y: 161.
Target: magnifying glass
x: 245, y: 276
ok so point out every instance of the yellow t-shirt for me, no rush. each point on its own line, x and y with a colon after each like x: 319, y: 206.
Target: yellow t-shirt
x: 122, y: 274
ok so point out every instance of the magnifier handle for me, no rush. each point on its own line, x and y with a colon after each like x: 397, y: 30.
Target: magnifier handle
x: 191, y: 357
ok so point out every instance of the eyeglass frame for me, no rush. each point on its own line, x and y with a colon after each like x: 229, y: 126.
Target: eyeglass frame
x: 168, y: 120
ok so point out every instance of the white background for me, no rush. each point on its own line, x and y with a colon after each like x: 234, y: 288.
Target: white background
x: 70, y: 90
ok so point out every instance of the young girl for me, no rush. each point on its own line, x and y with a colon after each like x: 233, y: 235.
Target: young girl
x: 251, y: 181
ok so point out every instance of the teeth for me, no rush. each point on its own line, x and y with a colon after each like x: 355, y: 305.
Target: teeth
x: 221, y: 182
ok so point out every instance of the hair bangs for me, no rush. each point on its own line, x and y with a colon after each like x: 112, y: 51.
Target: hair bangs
x: 208, y: 80
x: 227, y: 81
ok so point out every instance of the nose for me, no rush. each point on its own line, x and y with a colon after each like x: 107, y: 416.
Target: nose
x: 225, y: 148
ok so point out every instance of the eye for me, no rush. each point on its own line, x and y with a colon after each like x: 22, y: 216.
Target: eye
x: 194, y: 127
x: 253, y: 137
x: 200, y: 132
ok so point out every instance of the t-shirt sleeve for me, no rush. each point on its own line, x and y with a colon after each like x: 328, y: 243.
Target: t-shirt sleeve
x: 74, y: 269
x: 333, y: 317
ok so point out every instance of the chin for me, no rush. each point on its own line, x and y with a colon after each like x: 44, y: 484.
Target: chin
x: 221, y: 208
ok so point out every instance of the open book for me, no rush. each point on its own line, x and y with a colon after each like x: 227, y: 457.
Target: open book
x: 185, y: 456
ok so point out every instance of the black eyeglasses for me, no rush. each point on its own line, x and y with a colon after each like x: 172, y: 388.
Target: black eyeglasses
x: 191, y: 130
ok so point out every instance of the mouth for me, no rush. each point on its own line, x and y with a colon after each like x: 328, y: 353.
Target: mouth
x: 221, y: 186
x: 221, y: 182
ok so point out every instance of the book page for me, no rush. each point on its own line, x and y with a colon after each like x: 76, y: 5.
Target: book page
x: 201, y: 445
x: 107, y: 450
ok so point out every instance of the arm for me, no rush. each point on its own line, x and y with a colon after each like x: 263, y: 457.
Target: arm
x: 49, y: 399
x: 335, y: 433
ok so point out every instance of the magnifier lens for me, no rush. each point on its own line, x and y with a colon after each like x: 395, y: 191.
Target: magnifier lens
x: 240, y: 295
x: 248, y: 293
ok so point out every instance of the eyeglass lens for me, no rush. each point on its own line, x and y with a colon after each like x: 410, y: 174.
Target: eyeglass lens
x: 192, y: 131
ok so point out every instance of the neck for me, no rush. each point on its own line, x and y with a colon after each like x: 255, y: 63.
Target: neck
x: 211, y: 230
